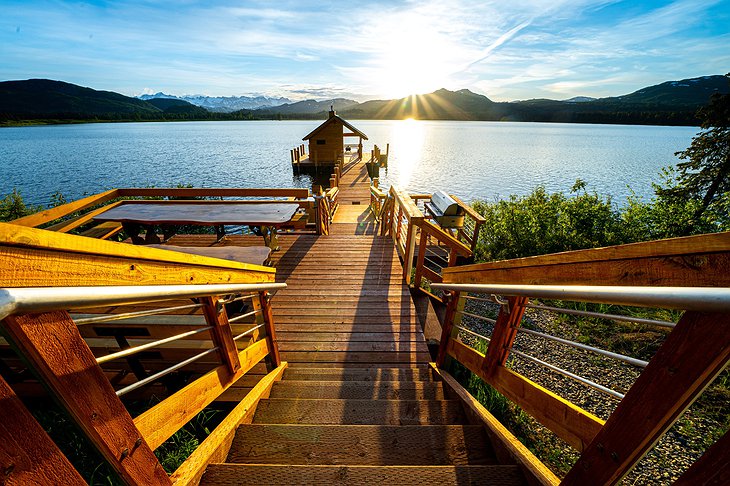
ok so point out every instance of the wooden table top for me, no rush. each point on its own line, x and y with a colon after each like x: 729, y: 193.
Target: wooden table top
x: 259, y: 214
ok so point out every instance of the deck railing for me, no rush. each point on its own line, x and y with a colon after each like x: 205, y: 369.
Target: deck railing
x: 96, y: 290
x: 78, y: 216
x: 683, y: 274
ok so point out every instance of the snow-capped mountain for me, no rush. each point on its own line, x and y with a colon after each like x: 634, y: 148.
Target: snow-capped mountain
x: 224, y: 104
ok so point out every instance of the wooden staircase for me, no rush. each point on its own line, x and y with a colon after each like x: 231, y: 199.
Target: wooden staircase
x: 360, y: 426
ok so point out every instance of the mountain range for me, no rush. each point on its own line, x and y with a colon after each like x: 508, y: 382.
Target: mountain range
x: 223, y: 104
x: 669, y: 103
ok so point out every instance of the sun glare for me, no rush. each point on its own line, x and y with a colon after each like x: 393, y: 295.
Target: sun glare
x: 408, y: 136
x: 410, y: 63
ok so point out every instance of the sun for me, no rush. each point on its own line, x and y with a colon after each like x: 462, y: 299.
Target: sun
x: 410, y: 62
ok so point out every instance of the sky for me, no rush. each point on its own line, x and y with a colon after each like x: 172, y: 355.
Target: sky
x: 507, y: 50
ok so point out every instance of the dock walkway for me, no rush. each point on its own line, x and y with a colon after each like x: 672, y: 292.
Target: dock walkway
x: 358, y: 403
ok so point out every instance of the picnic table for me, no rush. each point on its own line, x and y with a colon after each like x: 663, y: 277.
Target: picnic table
x: 136, y: 216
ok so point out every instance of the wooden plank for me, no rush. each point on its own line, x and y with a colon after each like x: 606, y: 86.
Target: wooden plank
x: 21, y: 267
x: 693, y: 354
x: 268, y: 317
x: 27, y: 454
x: 19, y: 236
x: 713, y: 468
x: 65, y: 209
x: 384, y: 445
x: 221, y: 333
x: 73, y: 223
x: 298, y: 193
x: 215, y: 447
x: 54, y: 348
x: 568, y: 421
x: 164, y: 419
x: 103, y: 231
x: 505, y: 331
x: 503, y: 441
x: 687, y: 261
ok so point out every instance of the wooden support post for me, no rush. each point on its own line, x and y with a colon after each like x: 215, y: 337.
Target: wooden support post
x: 452, y: 300
x: 268, y: 315
x: 410, y: 250
x: 333, y: 181
x: 421, y: 260
x: 694, y: 353
x: 55, y: 350
x: 221, y: 333
x: 27, y: 454
x: 505, y: 331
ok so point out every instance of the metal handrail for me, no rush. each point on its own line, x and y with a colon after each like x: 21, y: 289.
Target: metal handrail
x: 601, y: 315
x: 46, y: 299
x: 707, y: 299
x: 136, y: 349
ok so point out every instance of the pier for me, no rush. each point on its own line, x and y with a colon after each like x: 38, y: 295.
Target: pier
x: 335, y: 358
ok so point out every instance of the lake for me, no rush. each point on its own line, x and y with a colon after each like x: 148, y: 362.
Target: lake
x: 485, y: 160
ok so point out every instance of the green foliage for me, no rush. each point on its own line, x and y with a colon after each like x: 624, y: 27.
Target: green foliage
x: 546, y: 223
x: 13, y: 207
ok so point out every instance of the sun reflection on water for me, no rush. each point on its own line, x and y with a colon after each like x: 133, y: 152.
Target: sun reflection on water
x: 408, y: 137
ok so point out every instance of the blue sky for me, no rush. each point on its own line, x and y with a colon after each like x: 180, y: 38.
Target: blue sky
x: 506, y: 50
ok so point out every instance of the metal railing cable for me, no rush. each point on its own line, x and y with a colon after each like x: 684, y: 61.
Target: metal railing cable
x: 601, y: 315
x: 128, y: 315
x: 136, y: 349
x: 246, y: 333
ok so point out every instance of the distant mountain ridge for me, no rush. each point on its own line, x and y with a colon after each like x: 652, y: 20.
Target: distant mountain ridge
x: 223, y: 104
x: 669, y: 103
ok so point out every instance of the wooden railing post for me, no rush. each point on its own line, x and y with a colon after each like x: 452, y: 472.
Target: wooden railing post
x: 268, y: 315
x: 505, y: 331
x: 217, y: 318
x: 410, y: 249
x: 694, y: 353
x: 55, y: 350
x: 452, y: 299
x: 421, y: 260
x: 27, y: 454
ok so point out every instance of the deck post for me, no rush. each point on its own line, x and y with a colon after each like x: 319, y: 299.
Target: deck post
x: 505, y: 331
x: 421, y: 260
x: 27, y: 454
x: 57, y: 353
x: 268, y: 315
x: 694, y: 353
x: 217, y: 318
x: 452, y: 300
x: 409, y: 252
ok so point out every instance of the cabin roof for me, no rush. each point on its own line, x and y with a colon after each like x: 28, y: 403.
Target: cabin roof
x: 331, y: 120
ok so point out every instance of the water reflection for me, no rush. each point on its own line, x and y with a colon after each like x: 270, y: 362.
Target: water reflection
x: 407, y: 147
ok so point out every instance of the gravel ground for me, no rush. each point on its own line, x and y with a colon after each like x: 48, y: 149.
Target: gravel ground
x: 674, y: 453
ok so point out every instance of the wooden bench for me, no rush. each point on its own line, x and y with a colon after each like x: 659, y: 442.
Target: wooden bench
x: 257, y: 255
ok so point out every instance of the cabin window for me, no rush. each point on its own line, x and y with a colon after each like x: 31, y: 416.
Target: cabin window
x: 320, y: 142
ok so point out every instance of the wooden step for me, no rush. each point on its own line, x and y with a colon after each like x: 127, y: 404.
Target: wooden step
x: 377, y: 445
x: 359, y: 412
x: 359, y: 390
x: 239, y: 474
x: 358, y: 374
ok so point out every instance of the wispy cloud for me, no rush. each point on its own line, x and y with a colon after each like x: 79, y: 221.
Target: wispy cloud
x: 507, y: 50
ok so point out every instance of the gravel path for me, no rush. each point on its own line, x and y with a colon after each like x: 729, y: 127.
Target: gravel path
x: 674, y: 453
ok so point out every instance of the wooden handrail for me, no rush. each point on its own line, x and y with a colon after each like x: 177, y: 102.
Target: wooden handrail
x: 56, y: 259
x: 298, y: 193
x: 688, y: 261
x: 445, y: 238
x: 51, y: 214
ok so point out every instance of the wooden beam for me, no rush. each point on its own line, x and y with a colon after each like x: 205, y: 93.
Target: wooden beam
x: 507, y: 447
x: 444, y: 237
x: 452, y: 299
x: 215, y: 447
x: 568, y: 421
x: 160, y: 422
x: 268, y: 316
x: 73, y: 223
x: 215, y: 192
x: 19, y: 236
x: 689, y: 261
x: 694, y: 353
x: 27, y: 454
x: 505, y: 331
x: 20, y: 267
x: 712, y: 468
x: 65, y: 209
x: 57, y: 353
x: 221, y: 333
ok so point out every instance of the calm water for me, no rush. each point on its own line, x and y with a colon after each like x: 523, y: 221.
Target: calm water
x: 471, y: 159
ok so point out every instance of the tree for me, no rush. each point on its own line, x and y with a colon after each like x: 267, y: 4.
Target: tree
x: 705, y: 174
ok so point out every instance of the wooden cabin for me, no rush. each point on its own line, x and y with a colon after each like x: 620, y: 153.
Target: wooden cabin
x: 327, y: 141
